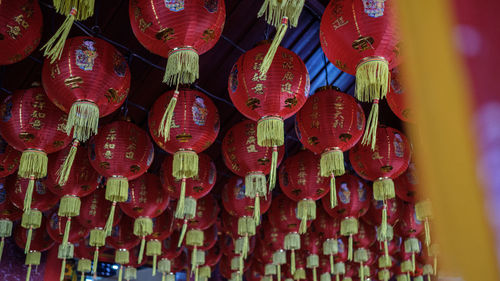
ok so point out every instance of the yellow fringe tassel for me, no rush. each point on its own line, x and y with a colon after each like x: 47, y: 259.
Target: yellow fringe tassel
x: 32, y: 258
x: 83, y: 119
x: 185, y: 164
x: 255, y: 183
x: 332, y: 162
x: 109, y: 222
x: 31, y: 219
x: 246, y: 226
x: 130, y: 273
x: 370, y: 135
x: 333, y: 192
x: 271, y: 52
x: 164, y: 265
x: 182, y: 67
x: 325, y: 277
x: 122, y: 256
x: 153, y: 248
x: 54, y: 47
x: 384, y: 275
x: 292, y: 265
x: 278, y: 269
x: 28, y: 197
x: 166, y: 121
x: 5, y: 231
x: 179, y: 210
x: 66, y: 231
x: 64, y: 171
x: 143, y: 227
x: 85, y: 8
x: 274, y: 167
x: 84, y: 266
x: 96, y: 260
x: 306, y: 210
x: 270, y: 131
x: 69, y: 206
x: 275, y: 10
x: 299, y: 274
x: 256, y: 210
x: 183, y: 233
x: 120, y: 273
x: 372, y: 79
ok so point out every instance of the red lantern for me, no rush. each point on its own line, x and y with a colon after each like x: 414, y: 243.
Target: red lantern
x: 178, y: 30
x: 312, y: 249
x: 21, y: 29
x: 195, y: 125
x: 131, y: 267
x: 409, y: 228
x: 9, y: 158
x: 123, y: 239
x: 325, y: 269
x: 212, y: 258
x: 163, y: 226
x: 195, y: 187
x: 121, y: 152
x: 362, y: 40
x: 40, y: 242
x: 245, y: 158
x: 300, y: 181
x: 272, y: 98
x: 328, y: 229
x: 146, y: 200
x: 330, y: 123
x: 8, y: 214
x: 406, y: 185
x: 363, y: 240
x: 397, y: 98
x: 169, y: 253
x: 93, y: 206
x: 197, y: 253
x: 375, y: 214
x: 388, y: 160
x: 354, y: 201
x: 32, y: 124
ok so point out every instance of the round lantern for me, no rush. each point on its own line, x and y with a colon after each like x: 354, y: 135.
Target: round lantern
x: 191, y: 189
x: 8, y: 214
x: 9, y: 158
x: 239, y: 244
x: 397, y: 98
x: 325, y: 269
x: 300, y: 182
x: 212, y: 258
x: 270, y: 99
x: 238, y: 205
x: 30, y: 123
x: 123, y: 240
x: 374, y: 217
x: 244, y: 157
x: 121, y: 152
x: 274, y: 238
x: 354, y: 201
x: 40, y: 242
x: 328, y: 124
x: 362, y: 241
x: 361, y: 38
x: 130, y: 272
x: 91, y: 81
x: 169, y: 252
x: 388, y: 160
x: 197, y: 253
x: 163, y: 226
x: 42, y: 200
x: 312, y: 249
x: 410, y: 227
x: 21, y: 29
x: 195, y: 125
x: 93, y: 207
x: 328, y: 229
x: 146, y: 200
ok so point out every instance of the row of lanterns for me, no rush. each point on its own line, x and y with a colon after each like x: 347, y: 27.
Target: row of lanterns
x: 53, y: 141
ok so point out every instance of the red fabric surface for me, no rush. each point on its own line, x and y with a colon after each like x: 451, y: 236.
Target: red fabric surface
x: 9, y: 158
x: 122, y: 236
x: 407, y: 184
x: 283, y: 214
x: 207, y: 211
x: 409, y: 225
x: 7, y: 210
x: 93, y: 208
x: 236, y: 203
x: 397, y: 97
x: 42, y: 199
x: 163, y: 225
x: 169, y: 248
x: 146, y: 197
x: 374, y: 214
x: 328, y: 227
x: 353, y: 198
x: 40, y: 239
x: 365, y: 237
x: 56, y: 225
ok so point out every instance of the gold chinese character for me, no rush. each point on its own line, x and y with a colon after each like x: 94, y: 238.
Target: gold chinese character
x: 111, y: 137
x: 339, y: 22
x: 108, y: 154
x: 251, y: 148
x: 129, y: 155
x: 288, y: 76
x: 109, y: 146
x: 36, y: 124
x: 54, y: 70
x: 288, y: 65
x: 259, y: 56
x: 286, y: 88
x: 376, y: 155
x: 13, y: 31
x: 256, y: 65
x: 20, y: 20
x: 208, y: 35
x: 132, y: 146
x: 73, y: 81
x: 251, y: 139
x: 257, y: 77
x: 143, y: 25
x: 259, y: 89
x: 165, y: 34
x: 37, y: 114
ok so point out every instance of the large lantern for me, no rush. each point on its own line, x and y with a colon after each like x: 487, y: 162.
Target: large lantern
x: 8, y: 214
x: 354, y: 201
x: 193, y: 188
x: 245, y: 158
x: 30, y: 123
x: 9, y: 158
x: 163, y: 227
x: 212, y: 258
x: 410, y: 227
x: 195, y: 125
x: 121, y: 152
x: 21, y: 29
x: 169, y: 253
x: 300, y: 180
x: 146, y: 200
x: 329, y: 124
x: 123, y: 240
x: 91, y: 81
x: 328, y: 229
x: 272, y: 98
x: 93, y: 207
x: 362, y: 241
x: 197, y: 253
x: 312, y: 249
x: 388, y: 160
x: 361, y: 38
x: 375, y: 217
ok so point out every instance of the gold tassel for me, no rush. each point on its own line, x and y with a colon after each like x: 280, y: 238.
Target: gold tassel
x: 116, y: 191
x: 66, y: 231
x: 54, y: 47
x: 182, y: 66
x: 153, y: 248
x: 332, y: 263
x: 28, y: 197
x: 32, y: 258
x: 33, y: 164
x: 120, y: 273
x: 84, y: 266
x: 383, y: 225
x: 69, y: 206
x: 361, y: 272
x: 164, y: 266
x: 299, y: 274
x: 270, y: 131
x: 195, y: 237
x: 130, y: 273
x: 246, y: 226
x: 163, y: 277
x: 423, y: 210
x: 274, y: 11
x: 372, y: 79
x: 312, y: 261
x: 65, y: 251
x: 292, y: 265
x: 205, y: 272
x: 255, y: 183
x: 306, y: 210
x: 65, y: 169
x: 349, y: 252
x: 189, y: 207
x: 31, y: 219
x: 384, y: 275
x: 278, y: 269
x: 83, y: 119
x: 179, y: 211
x: 96, y: 260
x: 143, y: 227
x: 141, y: 250
x: 292, y: 241
x: 183, y: 233
x: 256, y: 210
x: 384, y: 262
x: 122, y: 256
x: 85, y: 8
x: 333, y: 192
x: 166, y: 121
x: 109, y: 222
x: 332, y: 162
x: 185, y: 164
x: 349, y: 227
x: 270, y: 269
x: 370, y: 135
x: 325, y: 277
x: 5, y: 231
x: 271, y: 52
x: 274, y: 167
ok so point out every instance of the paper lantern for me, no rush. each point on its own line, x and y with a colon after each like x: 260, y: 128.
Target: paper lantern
x: 312, y: 249
x: 9, y: 158
x: 212, y: 258
x: 362, y: 241
x: 21, y: 29
x: 300, y: 181
x: 397, y: 97
x: 121, y: 152
x: 123, y: 240
x: 409, y: 228
x: 362, y: 39
x: 163, y: 227
x: 375, y: 214
x: 328, y: 229
x: 406, y: 185
x: 30, y: 123
x: 146, y: 200
x: 330, y: 123
x: 191, y: 189
x: 8, y: 214
x: 387, y: 161
x: 244, y: 157
x: 272, y: 98
x: 354, y: 201
x: 169, y: 253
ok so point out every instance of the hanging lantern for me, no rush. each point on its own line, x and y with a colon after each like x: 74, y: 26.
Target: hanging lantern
x: 8, y: 214
x: 274, y: 239
x: 362, y: 39
x: 328, y: 229
x: 212, y: 258
x: 169, y: 253
x: 197, y: 253
x: 58, y: 228
x: 42, y: 200
x: 21, y: 28
x: 93, y: 207
x: 388, y: 160
x: 40, y: 242
x: 264, y: 256
x: 30, y: 123
x: 341, y: 259
x: 233, y: 245
x: 374, y: 217
x: 79, y: 10
x: 226, y: 266
x: 244, y: 157
x: 300, y: 267
x: 300, y: 181
x: 9, y: 158
x: 354, y: 201
x: 238, y: 205
x: 283, y: 214
x: 312, y: 249
x: 121, y: 152
x: 362, y: 241
x: 191, y: 189
x: 195, y: 125
x: 123, y: 240
x: 272, y: 98
x: 163, y: 227
x: 130, y: 272
x: 146, y: 200
x: 410, y: 227
x: 329, y: 124
x: 397, y: 98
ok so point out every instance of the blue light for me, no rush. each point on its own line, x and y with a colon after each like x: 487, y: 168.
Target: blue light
x: 115, y: 267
